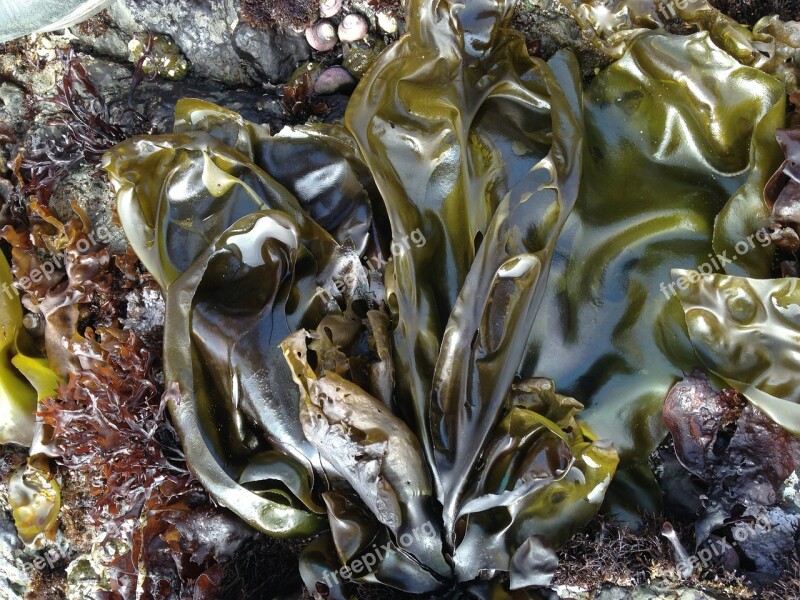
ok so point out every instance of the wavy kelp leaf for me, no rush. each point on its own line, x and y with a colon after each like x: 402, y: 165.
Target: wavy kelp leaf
x: 745, y: 331
x: 375, y: 451
x: 17, y: 397
x: 318, y: 568
x: 672, y: 125
x: 745, y: 214
x: 539, y: 483
x: 24, y: 378
x: 195, y: 188
x: 778, y: 43
x: 236, y: 335
x: 265, y: 470
x: 35, y: 501
x: 225, y: 360
x: 425, y: 117
x: 319, y: 165
x: 487, y: 332
x: 369, y: 553
x: 38, y: 373
x: 612, y: 25
x: 771, y: 45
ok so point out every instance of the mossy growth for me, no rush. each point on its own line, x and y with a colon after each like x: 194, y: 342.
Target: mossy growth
x: 263, y: 14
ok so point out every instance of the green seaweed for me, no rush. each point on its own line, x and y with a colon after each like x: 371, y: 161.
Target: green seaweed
x: 315, y: 393
x: 24, y: 378
x: 745, y: 331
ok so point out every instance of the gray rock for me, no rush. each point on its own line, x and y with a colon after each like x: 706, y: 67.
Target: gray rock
x: 14, y: 579
x: 12, y: 109
x: 95, y: 197
x: 274, y: 55
x: 209, y: 35
x: 654, y: 591
x: 146, y: 311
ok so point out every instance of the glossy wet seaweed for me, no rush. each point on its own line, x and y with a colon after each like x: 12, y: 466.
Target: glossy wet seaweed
x: 315, y: 393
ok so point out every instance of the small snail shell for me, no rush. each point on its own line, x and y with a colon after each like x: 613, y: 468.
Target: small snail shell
x: 334, y: 80
x: 330, y: 8
x: 353, y: 27
x: 322, y: 35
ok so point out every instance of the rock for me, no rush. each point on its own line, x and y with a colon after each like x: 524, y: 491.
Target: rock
x: 92, y: 193
x: 146, y: 311
x: 209, y: 35
x: 654, y: 591
x: 273, y: 55
x: 12, y: 105
x: 14, y: 579
x: 101, y: 36
x: 548, y: 28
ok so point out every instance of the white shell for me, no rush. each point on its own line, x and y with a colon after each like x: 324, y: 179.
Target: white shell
x: 330, y: 8
x: 353, y: 27
x: 387, y: 23
x: 322, y: 35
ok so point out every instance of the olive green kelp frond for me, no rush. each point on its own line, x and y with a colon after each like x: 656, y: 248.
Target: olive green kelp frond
x: 231, y: 402
x: 674, y: 130
x: 747, y: 332
x: 415, y: 429
x: 319, y: 165
x: 178, y: 192
x: 449, y: 119
x: 771, y: 45
x: 487, y: 332
x: 540, y: 483
x: 34, y: 496
x: 244, y: 262
x: 24, y: 379
x: 376, y: 452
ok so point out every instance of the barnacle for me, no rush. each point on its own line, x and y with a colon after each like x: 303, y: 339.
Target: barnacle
x: 329, y: 377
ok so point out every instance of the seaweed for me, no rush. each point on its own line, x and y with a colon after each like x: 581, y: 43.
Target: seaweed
x: 466, y: 405
x: 86, y: 126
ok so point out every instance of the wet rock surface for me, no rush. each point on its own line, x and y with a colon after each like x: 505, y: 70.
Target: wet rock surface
x: 210, y: 35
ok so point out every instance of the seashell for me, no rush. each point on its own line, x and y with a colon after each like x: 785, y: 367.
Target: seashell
x: 18, y: 18
x: 353, y: 27
x: 330, y: 8
x: 322, y: 35
x: 387, y: 23
x: 335, y: 80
